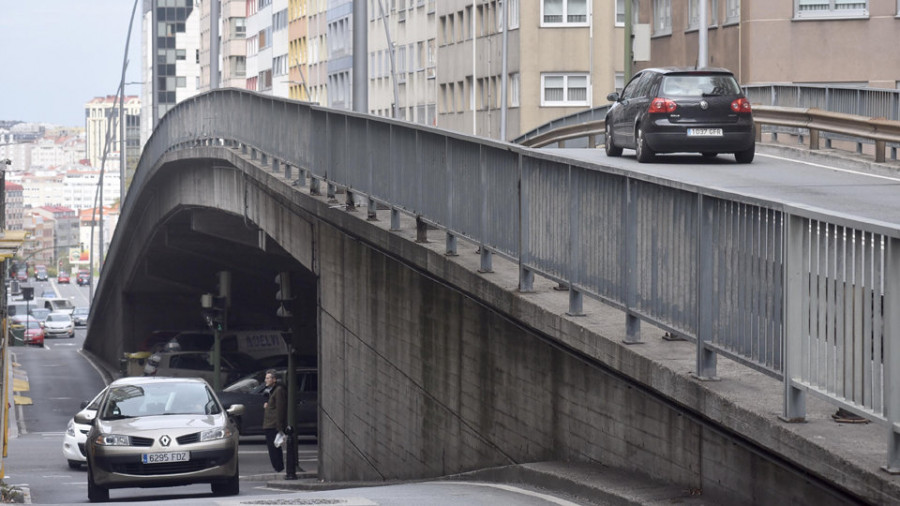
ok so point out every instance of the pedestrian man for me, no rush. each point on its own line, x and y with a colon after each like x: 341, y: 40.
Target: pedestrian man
x: 274, y: 418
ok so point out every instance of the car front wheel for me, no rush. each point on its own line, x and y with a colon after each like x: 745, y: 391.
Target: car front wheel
x: 642, y: 150
x: 611, y: 148
x: 96, y: 493
x: 232, y: 486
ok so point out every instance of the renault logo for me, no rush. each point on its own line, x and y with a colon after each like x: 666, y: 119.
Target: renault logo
x: 165, y: 440
x: 704, y: 105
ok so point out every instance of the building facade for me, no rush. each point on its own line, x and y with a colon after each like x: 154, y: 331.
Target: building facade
x: 402, y: 81
x: 15, y: 206
x: 101, y: 126
x: 171, y: 58
x: 65, y: 228
x: 835, y: 42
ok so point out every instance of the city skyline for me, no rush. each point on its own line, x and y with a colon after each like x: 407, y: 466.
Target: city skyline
x: 79, y: 43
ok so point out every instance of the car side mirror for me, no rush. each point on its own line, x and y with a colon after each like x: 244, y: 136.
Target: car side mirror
x: 613, y: 97
x: 235, y: 410
x: 83, y: 418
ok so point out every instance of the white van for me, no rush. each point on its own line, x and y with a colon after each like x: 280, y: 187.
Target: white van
x: 59, y: 305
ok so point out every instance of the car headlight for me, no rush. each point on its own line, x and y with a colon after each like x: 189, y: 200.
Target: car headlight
x: 214, y: 434
x: 112, y: 440
x: 70, y: 429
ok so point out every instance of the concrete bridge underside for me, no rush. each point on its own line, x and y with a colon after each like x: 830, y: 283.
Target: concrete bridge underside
x: 428, y: 367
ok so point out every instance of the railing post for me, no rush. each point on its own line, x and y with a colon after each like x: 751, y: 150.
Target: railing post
x: 813, y: 139
x: 706, y: 358
x: 576, y: 299
x: 880, y: 147
x: 794, y: 293
x: 629, y: 232
x: 892, y: 352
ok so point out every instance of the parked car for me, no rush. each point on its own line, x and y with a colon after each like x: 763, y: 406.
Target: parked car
x: 29, y: 328
x: 22, y: 275
x: 59, y: 324
x: 199, y: 364
x: 249, y: 391
x: 259, y: 344
x: 83, y: 277
x: 76, y: 433
x: 667, y: 110
x: 156, y: 432
x: 80, y: 316
x: 62, y: 277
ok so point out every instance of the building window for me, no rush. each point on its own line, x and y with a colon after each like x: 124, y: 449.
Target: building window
x: 712, y: 13
x: 238, y: 27
x: 662, y: 17
x: 514, y: 87
x: 817, y: 9
x: 620, y: 12
x: 732, y: 11
x: 564, y: 90
x: 564, y: 12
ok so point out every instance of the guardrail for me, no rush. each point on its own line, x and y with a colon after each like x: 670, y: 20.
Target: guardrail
x: 879, y: 131
x: 805, y: 295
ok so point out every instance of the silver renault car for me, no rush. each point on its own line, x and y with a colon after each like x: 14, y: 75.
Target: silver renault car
x: 159, y: 432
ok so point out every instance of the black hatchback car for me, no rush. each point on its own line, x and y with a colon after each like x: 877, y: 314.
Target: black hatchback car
x: 668, y: 110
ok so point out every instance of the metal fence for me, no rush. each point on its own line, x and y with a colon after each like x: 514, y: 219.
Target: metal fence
x: 806, y: 296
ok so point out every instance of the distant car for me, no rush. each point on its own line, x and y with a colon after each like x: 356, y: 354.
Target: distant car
x: 48, y: 294
x: 249, y: 392
x: 40, y: 275
x: 157, y: 432
x: 76, y: 433
x: 59, y: 304
x: 668, y: 110
x: 199, y: 364
x: 22, y: 275
x: 80, y: 316
x: 83, y: 278
x: 29, y: 328
x: 59, y: 324
x: 62, y: 277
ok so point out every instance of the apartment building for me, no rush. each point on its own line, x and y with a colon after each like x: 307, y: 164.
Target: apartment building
x: 562, y: 56
x: 232, y: 47
x: 316, y: 69
x: 267, y: 47
x: 101, y: 126
x: 171, y: 59
x: 15, y: 207
x: 837, y: 42
x: 402, y: 80
x: 65, y: 228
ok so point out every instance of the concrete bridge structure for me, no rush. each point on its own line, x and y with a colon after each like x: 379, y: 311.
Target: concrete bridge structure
x: 443, y: 339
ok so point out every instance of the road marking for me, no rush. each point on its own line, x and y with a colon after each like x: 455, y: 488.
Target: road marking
x: 813, y: 164
x: 517, y: 490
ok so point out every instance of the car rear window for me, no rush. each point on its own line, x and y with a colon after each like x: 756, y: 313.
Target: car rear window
x: 708, y: 85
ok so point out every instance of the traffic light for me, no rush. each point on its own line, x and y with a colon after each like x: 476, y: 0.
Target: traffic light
x: 283, y: 293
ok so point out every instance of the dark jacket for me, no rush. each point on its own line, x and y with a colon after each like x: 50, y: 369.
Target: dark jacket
x: 275, y: 414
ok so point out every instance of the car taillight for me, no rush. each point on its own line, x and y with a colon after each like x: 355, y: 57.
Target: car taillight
x: 741, y: 105
x: 662, y: 106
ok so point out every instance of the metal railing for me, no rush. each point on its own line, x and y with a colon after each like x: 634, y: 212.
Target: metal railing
x: 804, y: 295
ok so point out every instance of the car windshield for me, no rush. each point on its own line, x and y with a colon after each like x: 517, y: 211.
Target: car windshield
x: 58, y: 318
x: 699, y: 85
x: 40, y: 314
x: 168, y: 398
x: 80, y: 311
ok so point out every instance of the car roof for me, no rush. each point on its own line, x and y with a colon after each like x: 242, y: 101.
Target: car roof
x: 689, y: 70
x: 146, y: 380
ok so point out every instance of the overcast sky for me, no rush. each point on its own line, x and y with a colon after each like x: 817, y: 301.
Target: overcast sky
x: 56, y: 55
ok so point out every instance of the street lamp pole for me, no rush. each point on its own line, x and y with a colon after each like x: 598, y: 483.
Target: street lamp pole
x: 122, y: 145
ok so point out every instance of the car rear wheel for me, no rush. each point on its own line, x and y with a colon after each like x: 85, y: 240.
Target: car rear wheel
x: 642, y: 150
x: 96, y: 493
x: 611, y: 148
x: 232, y: 486
x: 745, y: 156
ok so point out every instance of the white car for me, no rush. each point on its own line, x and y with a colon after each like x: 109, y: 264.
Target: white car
x: 76, y: 434
x: 59, y: 324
